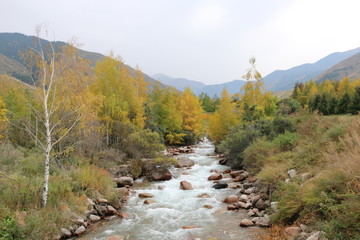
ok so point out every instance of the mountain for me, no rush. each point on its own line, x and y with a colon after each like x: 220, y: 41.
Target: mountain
x: 11, y: 44
x: 199, y: 87
x: 349, y: 67
x: 285, y: 79
x: 216, y: 89
x: 178, y: 83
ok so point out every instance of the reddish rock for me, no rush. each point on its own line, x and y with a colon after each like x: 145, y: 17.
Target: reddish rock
x: 246, y: 223
x: 149, y: 201
x: 216, y: 176
x: 184, y: 185
x: 145, y: 195
x: 292, y: 232
x: 227, y: 171
x: 232, y: 207
x: 111, y: 210
x: 65, y: 232
x: 161, y: 175
x: 234, y: 174
x: 123, y: 215
x: 231, y: 199
x: 189, y: 227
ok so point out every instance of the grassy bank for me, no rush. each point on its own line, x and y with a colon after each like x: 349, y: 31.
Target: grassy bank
x: 323, y: 150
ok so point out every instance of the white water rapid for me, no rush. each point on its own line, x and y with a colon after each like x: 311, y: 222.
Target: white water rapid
x: 176, y: 208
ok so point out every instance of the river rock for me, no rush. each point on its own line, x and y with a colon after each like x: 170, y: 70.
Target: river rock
x: 145, y: 195
x: 101, y: 209
x: 149, y: 201
x: 243, y: 198
x: 261, y: 205
x: 249, y: 190
x: 94, y: 218
x: 220, y: 185
x: 65, y: 232
x: 123, y: 181
x: 246, y: 223
x: 292, y: 232
x: 80, y: 230
x: 125, y: 215
x: 263, y: 222
x: 161, y: 175
x: 111, y: 210
x: 317, y: 236
x: 203, y: 195
x: 184, y: 162
x: 214, y: 171
x: 292, y: 173
x: 223, y: 161
x: 231, y: 199
x: 184, y: 185
x: 216, y: 176
x: 233, y: 185
x: 101, y: 200
x: 207, y: 206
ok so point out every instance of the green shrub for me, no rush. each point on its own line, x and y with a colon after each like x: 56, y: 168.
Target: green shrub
x: 290, y: 203
x: 144, y: 143
x: 334, y: 133
x: 257, y: 154
x: 283, y: 124
x: 236, y: 142
x: 286, y: 141
x: 10, y: 230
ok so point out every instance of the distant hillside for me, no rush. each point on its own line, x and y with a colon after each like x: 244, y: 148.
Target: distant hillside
x: 178, y: 83
x: 285, y: 79
x: 11, y: 44
x: 199, y: 87
x: 350, y: 68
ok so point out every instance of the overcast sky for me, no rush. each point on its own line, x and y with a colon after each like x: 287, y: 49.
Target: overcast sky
x: 204, y: 40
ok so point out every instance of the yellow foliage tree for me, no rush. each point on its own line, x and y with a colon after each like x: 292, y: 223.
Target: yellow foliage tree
x: 223, y: 119
x: 191, y: 111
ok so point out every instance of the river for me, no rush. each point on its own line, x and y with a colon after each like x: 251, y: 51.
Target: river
x: 176, y: 208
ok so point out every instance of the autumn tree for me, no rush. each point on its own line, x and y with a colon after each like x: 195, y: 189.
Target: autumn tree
x: 223, y: 119
x: 47, y: 71
x: 163, y: 109
x: 191, y: 111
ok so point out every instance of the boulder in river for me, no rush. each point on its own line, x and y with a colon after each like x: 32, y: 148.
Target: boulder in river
x: 216, y: 176
x: 145, y: 195
x: 149, y: 201
x: 246, y: 223
x: 231, y: 199
x: 184, y: 185
x: 220, y: 185
x: 123, y: 181
x: 161, y: 175
x: 184, y: 162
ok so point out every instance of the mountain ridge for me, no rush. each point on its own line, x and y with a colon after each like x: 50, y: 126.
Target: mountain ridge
x: 11, y: 44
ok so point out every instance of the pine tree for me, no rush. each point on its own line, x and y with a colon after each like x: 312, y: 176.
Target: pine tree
x: 343, y: 104
x: 355, y: 101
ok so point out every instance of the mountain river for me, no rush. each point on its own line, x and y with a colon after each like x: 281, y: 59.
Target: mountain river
x: 176, y: 208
